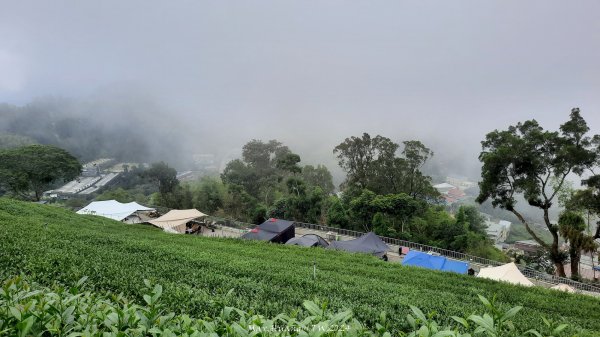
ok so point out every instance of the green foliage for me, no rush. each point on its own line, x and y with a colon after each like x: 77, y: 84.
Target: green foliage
x: 336, y: 213
x: 358, y: 155
x: 33, y: 310
x: 588, y: 199
x: 289, y: 163
x: 209, y: 195
x: 318, y: 176
x: 269, y: 177
x: 300, y: 205
x: 571, y: 226
x: 196, y: 273
x: 35, y: 169
x: 164, y: 176
x: 526, y: 159
x: 518, y: 232
x: 76, y: 203
x: 402, y: 216
x: 118, y: 194
x: 239, y: 204
x: 371, y: 163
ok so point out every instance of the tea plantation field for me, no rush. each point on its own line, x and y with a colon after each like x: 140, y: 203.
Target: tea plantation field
x: 49, y: 245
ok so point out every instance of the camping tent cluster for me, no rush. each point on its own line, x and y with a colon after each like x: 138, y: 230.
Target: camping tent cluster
x: 283, y: 231
x: 419, y: 259
x: 129, y: 213
x: 175, y: 221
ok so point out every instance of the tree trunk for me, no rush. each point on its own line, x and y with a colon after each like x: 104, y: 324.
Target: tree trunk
x: 551, y: 248
x: 575, y: 264
x: 560, y: 269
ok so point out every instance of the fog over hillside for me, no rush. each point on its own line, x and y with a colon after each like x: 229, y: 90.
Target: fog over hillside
x: 169, y: 79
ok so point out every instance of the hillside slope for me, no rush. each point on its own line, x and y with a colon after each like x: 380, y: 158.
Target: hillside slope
x: 51, y: 244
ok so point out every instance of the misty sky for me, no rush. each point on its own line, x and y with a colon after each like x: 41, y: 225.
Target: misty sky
x: 311, y: 73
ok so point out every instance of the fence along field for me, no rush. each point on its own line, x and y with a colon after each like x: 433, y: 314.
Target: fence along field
x: 50, y: 244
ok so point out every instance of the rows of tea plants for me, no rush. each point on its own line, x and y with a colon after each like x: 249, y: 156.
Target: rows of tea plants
x: 32, y: 310
x: 50, y: 244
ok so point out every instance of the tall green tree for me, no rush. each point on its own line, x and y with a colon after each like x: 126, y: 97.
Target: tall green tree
x: 30, y: 170
x: 357, y: 156
x: 336, y: 213
x: 571, y: 226
x: 524, y: 159
x: 588, y: 201
x: 262, y: 168
x: 318, y: 176
x: 416, y: 155
x: 372, y: 163
x: 209, y: 195
x: 164, y: 176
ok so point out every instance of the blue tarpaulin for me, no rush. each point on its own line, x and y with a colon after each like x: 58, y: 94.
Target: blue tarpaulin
x: 419, y: 259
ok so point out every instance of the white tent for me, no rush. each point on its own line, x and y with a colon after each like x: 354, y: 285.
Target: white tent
x: 563, y: 287
x: 115, y: 210
x: 174, y: 221
x: 507, y: 273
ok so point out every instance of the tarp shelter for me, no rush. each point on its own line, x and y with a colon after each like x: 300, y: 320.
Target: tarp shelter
x: 563, y: 287
x: 273, y: 230
x: 176, y: 220
x: 368, y: 243
x: 420, y: 259
x: 115, y: 210
x: 507, y: 273
x: 308, y: 240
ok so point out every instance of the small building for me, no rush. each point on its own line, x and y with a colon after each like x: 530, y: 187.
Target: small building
x: 443, y: 188
x: 498, y: 231
x: 529, y: 247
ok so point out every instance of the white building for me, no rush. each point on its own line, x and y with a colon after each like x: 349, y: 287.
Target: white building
x: 498, y: 231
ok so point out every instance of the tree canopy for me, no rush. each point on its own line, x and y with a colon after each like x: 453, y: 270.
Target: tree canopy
x: 525, y: 159
x: 30, y: 170
x: 372, y: 163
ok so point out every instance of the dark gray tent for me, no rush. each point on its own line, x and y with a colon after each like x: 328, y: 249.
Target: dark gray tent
x: 368, y: 243
x: 308, y: 240
x: 273, y: 230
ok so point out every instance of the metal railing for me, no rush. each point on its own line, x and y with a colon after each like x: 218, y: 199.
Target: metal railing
x: 528, y: 272
x: 229, y: 222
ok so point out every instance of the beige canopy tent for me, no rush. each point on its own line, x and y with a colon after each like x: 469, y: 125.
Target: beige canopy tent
x: 507, y: 273
x: 175, y: 220
x: 563, y: 287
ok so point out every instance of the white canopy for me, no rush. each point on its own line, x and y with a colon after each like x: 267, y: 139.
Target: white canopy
x: 113, y: 209
x: 563, y: 287
x: 176, y: 218
x: 507, y: 273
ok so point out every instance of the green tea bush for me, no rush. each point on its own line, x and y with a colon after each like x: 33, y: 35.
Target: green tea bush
x: 32, y: 310
x: 51, y: 245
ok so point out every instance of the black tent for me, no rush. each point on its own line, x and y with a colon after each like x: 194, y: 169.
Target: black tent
x: 308, y: 240
x: 368, y: 243
x: 273, y: 230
